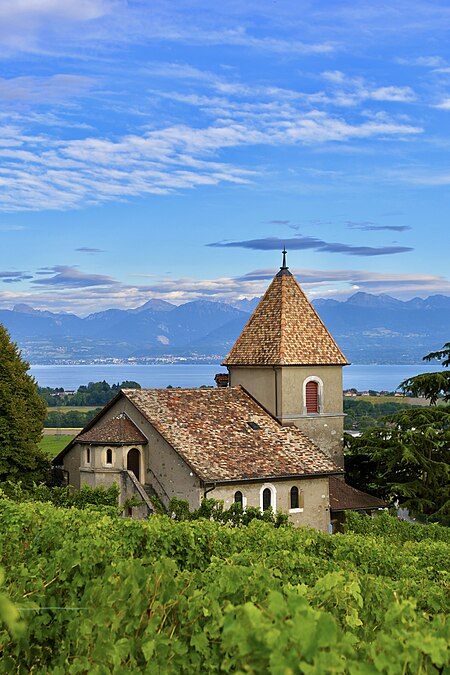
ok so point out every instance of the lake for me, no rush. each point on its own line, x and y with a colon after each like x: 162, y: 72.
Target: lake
x: 193, y: 375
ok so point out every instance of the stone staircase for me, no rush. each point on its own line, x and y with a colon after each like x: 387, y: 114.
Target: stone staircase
x: 151, y: 493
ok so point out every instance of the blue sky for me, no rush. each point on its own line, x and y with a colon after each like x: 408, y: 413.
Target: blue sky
x: 170, y: 149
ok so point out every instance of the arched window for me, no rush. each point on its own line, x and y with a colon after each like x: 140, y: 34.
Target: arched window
x: 88, y: 455
x: 108, y: 456
x: 312, y: 396
x: 295, y: 503
x: 239, y: 498
x: 268, y: 497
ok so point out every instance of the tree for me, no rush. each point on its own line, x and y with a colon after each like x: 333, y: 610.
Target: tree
x: 408, y: 459
x: 431, y: 385
x: 22, y: 413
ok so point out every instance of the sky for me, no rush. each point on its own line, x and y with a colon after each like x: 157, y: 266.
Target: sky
x: 160, y: 149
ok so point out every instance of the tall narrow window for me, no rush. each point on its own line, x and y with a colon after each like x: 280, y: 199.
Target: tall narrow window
x: 239, y: 498
x: 295, y: 504
x: 88, y: 455
x: 108, y: 456
x: 312, y: 397
x: 266, y: 499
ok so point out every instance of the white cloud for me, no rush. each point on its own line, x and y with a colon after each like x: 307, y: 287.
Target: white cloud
x: 40, y: 172
x: 351, y: 91
x: 45, y: 90
x: 400, y: 94
x: 87, y: 293
x: 37, y: 25
x: 425, y: 61
x: 444, y: 105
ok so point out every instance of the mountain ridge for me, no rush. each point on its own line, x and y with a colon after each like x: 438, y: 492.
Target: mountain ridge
x: 369, y: 328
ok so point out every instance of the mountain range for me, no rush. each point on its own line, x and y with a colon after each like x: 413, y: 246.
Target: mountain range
x: 368, y: 328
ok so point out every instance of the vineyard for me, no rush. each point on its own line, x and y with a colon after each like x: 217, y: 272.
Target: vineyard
x: 87, y: 592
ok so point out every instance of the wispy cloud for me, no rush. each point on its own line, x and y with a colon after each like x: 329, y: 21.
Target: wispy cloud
x: 39, y: 172
x: 423, y: 61
x: 444, y: 104
x: 369, y: 226
x: 87, y: 249
x: 338, y: 283
x: 45, y: 90
x: 65, y: 276
x: 13, y: 277
x: 11, y: 227
x: 312, y: 243
x: 350, y: 91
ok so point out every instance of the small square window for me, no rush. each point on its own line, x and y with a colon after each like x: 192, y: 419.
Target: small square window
x: 254, y: 426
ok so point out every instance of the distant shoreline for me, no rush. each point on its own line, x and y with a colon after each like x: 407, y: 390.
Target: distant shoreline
x: 377, y: 377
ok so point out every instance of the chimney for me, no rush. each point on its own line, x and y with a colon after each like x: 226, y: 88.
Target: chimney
x: 221, y: 379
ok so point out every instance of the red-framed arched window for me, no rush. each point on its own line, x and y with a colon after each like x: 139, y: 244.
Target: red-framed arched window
x: 312, y: 397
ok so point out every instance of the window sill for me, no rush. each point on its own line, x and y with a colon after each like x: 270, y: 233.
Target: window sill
x: 295, y: 510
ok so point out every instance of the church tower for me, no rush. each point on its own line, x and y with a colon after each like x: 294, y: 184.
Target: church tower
x: 286, y: 359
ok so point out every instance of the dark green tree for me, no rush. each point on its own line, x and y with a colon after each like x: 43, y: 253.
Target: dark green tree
x: 434, y: 386
x: 408, y: 459
x: 22, y: 413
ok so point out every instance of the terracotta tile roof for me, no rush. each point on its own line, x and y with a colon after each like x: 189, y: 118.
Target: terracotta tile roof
x: 285, y: 329
x: 210, y: 430
x: 345, y: 497
x: 118, y: 430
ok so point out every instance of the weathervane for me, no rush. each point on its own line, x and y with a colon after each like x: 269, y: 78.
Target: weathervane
x: 284, y: 266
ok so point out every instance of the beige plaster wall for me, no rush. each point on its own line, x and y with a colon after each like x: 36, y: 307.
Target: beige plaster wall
x: 259, y: 382
x: 326, y: 429
x: 325, y: 432
x: 71, y: 464
x: 99, y: 477
x: 316, y: 499
x: 292, y: 387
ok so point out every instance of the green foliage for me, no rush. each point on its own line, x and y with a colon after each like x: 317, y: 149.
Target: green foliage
x: 395, y: 530
x: 213, y: 510
x: 431, y: 385
x: 72, y: 418
x: 109, y: 595
x: 22, y: 413
x: 9, y: 614
x: 64, y: 497
x: 95, y: 393
x: 407, y: 459
x: 362, y: 414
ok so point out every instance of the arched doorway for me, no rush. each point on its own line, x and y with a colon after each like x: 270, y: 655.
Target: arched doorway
x: 134, y: 462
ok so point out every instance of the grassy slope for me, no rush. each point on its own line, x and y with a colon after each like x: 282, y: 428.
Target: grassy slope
x: 54, y: 444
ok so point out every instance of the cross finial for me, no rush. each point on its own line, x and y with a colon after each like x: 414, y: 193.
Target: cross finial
x: 284, y: 266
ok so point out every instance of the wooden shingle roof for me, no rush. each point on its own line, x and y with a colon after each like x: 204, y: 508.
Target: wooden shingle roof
x: 285, y: 329
x: 344, y: 497
x: 210, y: 429
x: 116, y: 431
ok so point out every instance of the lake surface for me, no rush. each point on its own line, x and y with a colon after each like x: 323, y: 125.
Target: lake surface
x: 193, y: 375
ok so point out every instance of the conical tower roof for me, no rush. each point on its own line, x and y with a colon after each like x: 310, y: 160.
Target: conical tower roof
x: 285, y: 330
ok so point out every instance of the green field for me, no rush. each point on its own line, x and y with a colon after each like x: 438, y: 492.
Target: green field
x: 71, y: 408
x: 51, y: 445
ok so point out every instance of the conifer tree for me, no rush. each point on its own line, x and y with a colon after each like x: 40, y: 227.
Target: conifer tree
x: 408, y: 460
x: 22, y: 413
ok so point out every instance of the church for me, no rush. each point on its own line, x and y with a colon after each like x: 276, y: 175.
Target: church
x: 269, y: 435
